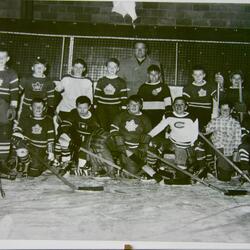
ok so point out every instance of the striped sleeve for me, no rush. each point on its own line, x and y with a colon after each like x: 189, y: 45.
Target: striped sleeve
x: 115, y: 125
x: 50, y: 132
x: 98, y: 92
x: 123, y: 94
x: 14, y: 89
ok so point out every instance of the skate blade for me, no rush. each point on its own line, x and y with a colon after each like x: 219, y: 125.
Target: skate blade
x: 236, y: 192
x: 93, y: 188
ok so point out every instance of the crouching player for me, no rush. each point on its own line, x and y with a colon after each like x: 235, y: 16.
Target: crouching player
x: 72, y: 134
x: 226, y: 136
x: 129, y: 132
x: 181, y: 138
x: 33, y: 139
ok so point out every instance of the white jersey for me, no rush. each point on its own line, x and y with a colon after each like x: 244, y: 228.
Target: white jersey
x: 184, y: 129
x: 71, y: 88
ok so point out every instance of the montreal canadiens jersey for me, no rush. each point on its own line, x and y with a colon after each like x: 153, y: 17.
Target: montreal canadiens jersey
x: 79, y: 127
x: 9, y: 86
x: 37, y: 87
x: 131, y: 127
x: 39, y: 132
x: 199, y: 96
x: 111, y: 91
x: 156, y: 96
x: 72, y: 87
x: 183, y: 129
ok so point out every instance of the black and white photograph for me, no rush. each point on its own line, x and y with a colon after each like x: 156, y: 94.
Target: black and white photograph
x: 124, y: 124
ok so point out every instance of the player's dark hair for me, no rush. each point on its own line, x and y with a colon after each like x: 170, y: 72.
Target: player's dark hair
x: 114, y: 60
x: 199, y: 67
x: 83, y: 63
x: 180, y: 98
x: 153, y: 67
x: 38, y: 100
x: 40, y: 60
x: 82, y: 99
x: 135, y: 98
x: 226, y: 102
x: 237, y: 72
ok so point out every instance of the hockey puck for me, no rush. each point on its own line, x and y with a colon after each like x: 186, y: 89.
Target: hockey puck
x: 96, y: 188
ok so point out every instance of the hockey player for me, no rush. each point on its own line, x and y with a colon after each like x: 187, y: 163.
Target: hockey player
x: 244, y: 148
x: 33, y: 139
x: 8, y: 105
x: 129, y: 131
x: 73, y: 133
x: 38, y: 85
x: 199, y: 96
x: 72, y: 86
x: 156, y: 95
x: 110, y: 94
x: 237, y: 94
x: 183, y: 133
x: 226, y: 136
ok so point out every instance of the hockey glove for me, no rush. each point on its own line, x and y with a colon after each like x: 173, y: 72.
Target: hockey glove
x: 11, y: 113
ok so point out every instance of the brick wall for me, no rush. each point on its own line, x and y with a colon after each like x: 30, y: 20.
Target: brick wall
x: 149, y: 13
x: 10, y: 8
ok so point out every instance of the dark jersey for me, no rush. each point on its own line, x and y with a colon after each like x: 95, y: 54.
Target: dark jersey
x: 156, y: 96
x: 9, y: 86
x: 245, y: 129
x: 199, y: 96
x: 39, y: 132
x: 111, y: 91
x: 34, y: 87
x: 78, y: 128
x: 131, y: 127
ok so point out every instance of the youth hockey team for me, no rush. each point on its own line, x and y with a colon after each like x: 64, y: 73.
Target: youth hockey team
x: 36, y: 130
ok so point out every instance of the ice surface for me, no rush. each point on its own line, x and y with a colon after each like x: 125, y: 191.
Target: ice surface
x: 44, y: 208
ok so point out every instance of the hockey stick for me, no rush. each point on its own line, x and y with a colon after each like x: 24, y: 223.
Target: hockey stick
x: 112, y: 164
x: 69, y: 184
x: 224, y: 157
x: 1, y: 189
x: 240, y: 100
x: 230, y: 192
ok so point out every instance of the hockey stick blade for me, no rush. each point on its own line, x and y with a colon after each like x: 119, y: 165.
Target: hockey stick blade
x: 69, y: 184
x: 95, y: 188
x: 235, y: 192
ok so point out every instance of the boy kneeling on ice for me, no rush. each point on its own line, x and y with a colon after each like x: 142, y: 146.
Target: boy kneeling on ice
x: 33, y: 140
x: 181, y: 138
x: 226, y: 136
x: 72, y: 134
x: 129, y: 132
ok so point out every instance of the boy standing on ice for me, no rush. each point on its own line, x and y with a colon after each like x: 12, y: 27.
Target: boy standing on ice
x: 8, y: 105
x: 72, y: 86
x: 36, y: 86
x: 156, y: 95
x: 226, y: 136
x: 110, y: 94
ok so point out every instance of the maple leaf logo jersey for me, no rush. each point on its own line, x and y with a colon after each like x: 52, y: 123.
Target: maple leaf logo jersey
x: 37, y: 130
x: 202, y: 92
x: 131, y: 125
x: 37, y: 86
x: 109, y: 89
